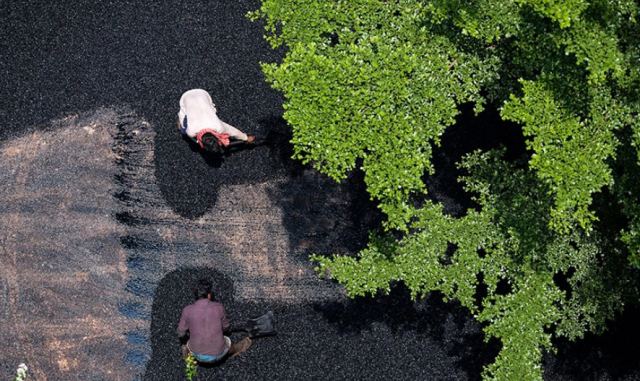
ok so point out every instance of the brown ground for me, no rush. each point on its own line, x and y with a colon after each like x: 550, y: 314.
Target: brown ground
x: 66, y: 273
x: 62, y: 267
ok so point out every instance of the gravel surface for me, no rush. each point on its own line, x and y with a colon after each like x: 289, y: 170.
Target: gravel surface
x: 170, y: 215
x: 62, y: 271
x: 363, y: 339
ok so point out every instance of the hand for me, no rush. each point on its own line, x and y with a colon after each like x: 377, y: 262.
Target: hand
x: 251, y: 139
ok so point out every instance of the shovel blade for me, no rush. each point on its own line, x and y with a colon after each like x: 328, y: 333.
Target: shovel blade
x: 263, y: 325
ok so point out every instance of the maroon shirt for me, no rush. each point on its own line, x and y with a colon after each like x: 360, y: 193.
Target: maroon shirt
x: 205, y: 320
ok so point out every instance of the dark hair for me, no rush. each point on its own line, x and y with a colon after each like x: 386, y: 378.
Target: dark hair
x: 202, y: 289
x: 210, y: 143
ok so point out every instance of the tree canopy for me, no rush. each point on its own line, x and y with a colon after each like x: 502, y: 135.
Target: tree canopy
x: 375, y: 84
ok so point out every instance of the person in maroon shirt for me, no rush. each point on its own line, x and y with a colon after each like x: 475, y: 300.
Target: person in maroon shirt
x: 205, y: 320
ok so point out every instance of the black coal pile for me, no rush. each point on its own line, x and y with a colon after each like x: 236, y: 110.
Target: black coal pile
x: 73, y: 56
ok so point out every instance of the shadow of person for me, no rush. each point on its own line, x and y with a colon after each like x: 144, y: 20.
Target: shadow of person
x: 173, y: 293
x: 190, y: 179
x: 213, y: 160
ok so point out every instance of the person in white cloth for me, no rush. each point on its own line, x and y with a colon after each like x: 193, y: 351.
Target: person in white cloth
x: 198, y: 119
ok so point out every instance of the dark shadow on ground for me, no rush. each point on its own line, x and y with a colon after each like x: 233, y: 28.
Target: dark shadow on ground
x: 610, y: 356
x: 374, y: 339
x: 324, y: 217
x: 448, y: 324
x: 190, y: 179
x: 321, y: 215
x: 471, y: 132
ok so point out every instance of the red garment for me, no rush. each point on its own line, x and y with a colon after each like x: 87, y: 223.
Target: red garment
x: 223, y: 139
x: 205, y: 320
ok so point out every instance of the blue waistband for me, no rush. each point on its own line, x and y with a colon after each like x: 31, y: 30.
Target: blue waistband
x: 206, y: 358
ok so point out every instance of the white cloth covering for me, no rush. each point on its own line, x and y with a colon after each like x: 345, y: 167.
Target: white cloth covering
x: 200, y: 112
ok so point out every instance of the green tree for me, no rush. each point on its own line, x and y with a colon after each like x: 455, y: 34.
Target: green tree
x: 378, y: 82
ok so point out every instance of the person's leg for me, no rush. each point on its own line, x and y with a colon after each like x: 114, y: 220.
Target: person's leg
x: 239, y: 347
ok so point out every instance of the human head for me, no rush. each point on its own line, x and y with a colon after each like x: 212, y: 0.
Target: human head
x: 203, y: 289
x: 210, y: 143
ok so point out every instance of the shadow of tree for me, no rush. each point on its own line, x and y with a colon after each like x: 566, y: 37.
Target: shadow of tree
x: 612, y: 355
x: 471, y: 132
x: 448, y: 324
x: 320, y: 215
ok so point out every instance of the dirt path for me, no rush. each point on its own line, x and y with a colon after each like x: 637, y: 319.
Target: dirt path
x: 62, y: 267
x: 86, y: 236
x: 243, y: 233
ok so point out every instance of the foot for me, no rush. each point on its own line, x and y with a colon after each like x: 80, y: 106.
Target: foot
x: 251, y: 139
x: 240, y: 347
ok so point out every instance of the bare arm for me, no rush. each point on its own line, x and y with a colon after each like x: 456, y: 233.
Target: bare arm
x: 233, y: 132
x: 182, y: 325
x: 225, y: 321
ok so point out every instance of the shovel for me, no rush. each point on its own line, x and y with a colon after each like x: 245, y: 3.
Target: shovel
x: 263, y: 325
